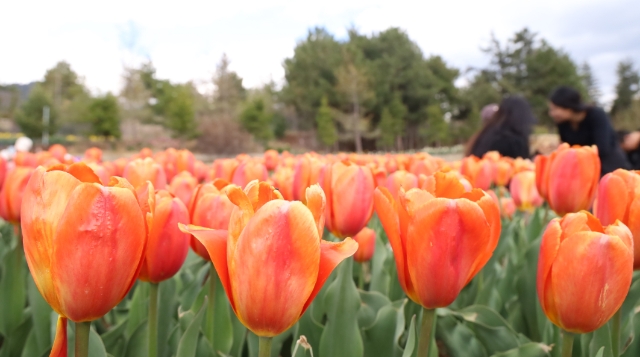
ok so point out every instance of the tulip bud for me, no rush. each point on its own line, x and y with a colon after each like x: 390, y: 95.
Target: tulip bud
x: 524, y: 192
x: 401, y: 179
x: 12, y: 193
x: 568, y: 178
x: 182, y: 186
x: 271, y: 159
x: 480, y: 172
x: 139, y: 171
x: 248, y: 171
x: 584, y: 271
x: 366, y: 240
x: 306, y: 172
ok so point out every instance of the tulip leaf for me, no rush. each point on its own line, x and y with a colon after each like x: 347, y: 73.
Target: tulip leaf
x: 40, y: 314
x: 188, y: 341
x: 138, y: 307
x: 114, y: 339
x: 411, y: 345
x: 380, y: 278
x: 276, y: 343
x: 371, y: 303
x: 600, y: 352
x: 14, y: 343
x: 167, y: 310
x: 193, y: 287
x: 138, y: 344
x: 458, y: 338
x: 527, y: 293
x: 490, y: 328
x: 341, y: 335
x: 223, y: 336
x: 96, y: 346
x: 240, y: 335
x: 380, y: 337
x: 309, y: 328
x: 530, y: 349
x: 601, y: 339
x: 13, y: 288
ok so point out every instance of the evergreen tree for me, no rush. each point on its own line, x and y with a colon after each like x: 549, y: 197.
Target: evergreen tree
x: 29, y: 116
x: 257, y: 120
x: 229, y: 91
x: 590, y: 84
x: 627, y: 87
x: 437, y: 131
x: 326, y: 127
x: 387, y: 128
x: 179, y: 112
x: 104, y: 116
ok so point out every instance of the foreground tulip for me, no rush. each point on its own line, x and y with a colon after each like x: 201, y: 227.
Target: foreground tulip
x: 441, y: 238
x: 273, y: 261
x: 11, y: 196
x: 568, y: 178
x: 349, y: 191
x: 619, y: 199
x: 584, y: 273
x: 524, y: 192
x: 84, y: 244
x: 401, y: 179
x: 139, y: 171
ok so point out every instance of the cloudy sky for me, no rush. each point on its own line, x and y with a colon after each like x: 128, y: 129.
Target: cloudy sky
x: 186, y: 39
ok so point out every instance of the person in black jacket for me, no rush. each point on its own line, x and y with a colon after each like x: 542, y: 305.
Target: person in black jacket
x: 630, y: 142
x: 507, y: 132
x: 580, y: 124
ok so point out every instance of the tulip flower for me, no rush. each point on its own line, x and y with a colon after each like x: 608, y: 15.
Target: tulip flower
x: 120, y: 165
x: 271, y: 159
x: 139, y: 171
x: 210, y: 208
x: 401, y: 179
x: 58, y: 151
x: 3, y: 170
x: 524, y: 192
x: 480, y: 172
x: 93, y: 155
x: 306, y: 172
x: 101, y: 172
x: 84, y: 244
x: 441, y: 238
x: 12, y: 193
x: 182, y: 186
x: 200, y: 169
x: 584, y: 273
x: 349, y: 191
x: 25, y: 158
x: 145, y: 152
x: 366, y: 240
x: 224, y: 169
x: 283, y: 180
x: 619, y: 199
x: 568, y: 178
x: 248, y: 171
x: 272, y: 262
x: 503, y: 171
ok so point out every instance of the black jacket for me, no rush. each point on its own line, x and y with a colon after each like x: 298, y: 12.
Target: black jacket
x: 506, y: 142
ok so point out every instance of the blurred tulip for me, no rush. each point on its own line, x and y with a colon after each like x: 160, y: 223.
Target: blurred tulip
x: 84, y: 242
x: 480, y: 172
x: 283, y: 180
x: 426, y: 166
x: 210, y: 208
x: 524, y: 192
x: 305, y: 173
x: 366, y: 240
x: 185, y: 161
x: 271, y: 159
x: 520, y: 164
x: 248, y: 171
x: 93, y: 155
x: 619, y: 199
x: 145, y: 153
x: 440, y: 238
x: 167, y: 246
x: 349, y: 191
x: 3, y: 170
x: 139, y: 171
x: 58, y: 151
x: 401, y: 179
x: 11, y: 196
x: 584, y: 271
x: 568, y: 178
x: 25, y: 159
x: 272, y: 262
x: 101, y: 172
x: 120, y: 164
x: 224, y: 169
x: 200, y: 171
x: 379, y: 176
x: 182, y: 186
x: 503, y: 171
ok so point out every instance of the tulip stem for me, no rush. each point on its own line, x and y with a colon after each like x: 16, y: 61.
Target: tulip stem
x: 426, y: 331
x: 264, y: 349
x: 615, y: 334
x: 212, y: 304
x: 82, y: 339
x: 361, y: 277
x: 567, y: 344
x: 153, y: 320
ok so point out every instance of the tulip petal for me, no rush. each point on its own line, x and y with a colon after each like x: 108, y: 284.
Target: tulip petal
x: 492, y: 215
x: 282, y: 241
x: 97, y: 251
x: 590, y: 277
x: 612, y: 200
x: 331, y: 254
x: 548, y: 251
x: 44, y: 202
x: 388, y: 214
x: 315, y: 202
x: 59, y: 348
x: 448, y: 185
x: 215, y: 241
x: 354, y: 186
x: 240, y: 216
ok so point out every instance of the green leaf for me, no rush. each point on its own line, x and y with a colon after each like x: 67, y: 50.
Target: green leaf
x: 276, y: 343
x: 601, y: 339
x: 371, y: 303
x: 410, y: 346
x: 223, y: 337
x: 309, y: 328
x: 96, y: 347
x: 114, y: 339
x: 31, y: 346
x: 240, y: 334
x: 138, y: 344
x: 167, y: 311
x: 188, y: 341
x: 341, y: 335
x: 380, y: 337
x: 490, y: 328
x: 530, y: 349
x: 13, y: 289
x: 14, y: 344
x: 138, y: 308
x: 380, y: 278
x: 600, y: 352
x: 458, y: 338
x: 40, y: 314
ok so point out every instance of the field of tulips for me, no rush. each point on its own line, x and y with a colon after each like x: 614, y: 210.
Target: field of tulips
x: 345, y: 255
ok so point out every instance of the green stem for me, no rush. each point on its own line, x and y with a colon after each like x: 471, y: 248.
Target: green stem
x: 264, y: 349
x: 361, y: 276
x: 567, y: 344
x: 82, y: 339
x: 426, y: 331
x: 212, y: 304
x: 153, y: 320
x: 615, y: 334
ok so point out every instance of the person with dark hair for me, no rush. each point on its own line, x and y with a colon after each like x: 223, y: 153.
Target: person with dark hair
x: 506, y: 131
x: 630, y: 142
x: 581, y: 124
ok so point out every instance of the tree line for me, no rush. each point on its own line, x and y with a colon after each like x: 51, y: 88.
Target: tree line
x: 367, y: 92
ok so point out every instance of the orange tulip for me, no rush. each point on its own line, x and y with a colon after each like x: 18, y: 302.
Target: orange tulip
x: 503, y: 171
x: 480, y: 172
x: 58, y: 151
x: 283, y: 180
x: 119, y: 165
x: 12, y: 193
x: 26, y: 159
x: 426, y: 166
x: 182, y: 186
x: 305, y: 173
x: 101, y: 172
x: 145, y: 152
x: 619, y: 199
x: 139, y: 171
x: 520, y: 164
x: 524, y: 192
x: 366, y: 240
x: 185, y: 161
x: 167, y: 246
x: 93, y: 155
x: 349, y: 190
x: 3, y: 170
x: 440, y: 238
x: 210, y: 208
x: 248, y: 171
x: 568, y: 178
x: 401, y: 179
x: 272, y: 262
x: 379, y: 176
x: 224, y: 169
x: 200, y: 169
x: 271, y: 159
x: 84, y: 242
x: 584, y: 271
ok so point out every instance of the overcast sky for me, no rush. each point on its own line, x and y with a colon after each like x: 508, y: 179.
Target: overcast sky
x: 186, y: 39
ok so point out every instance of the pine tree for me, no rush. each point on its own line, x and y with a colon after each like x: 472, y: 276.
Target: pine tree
x: 104, y: 116
x: 590, y: 83
x: 627, y: 87
x: 29, y: 116
x: 257, y: 120
x: 326, y: 127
